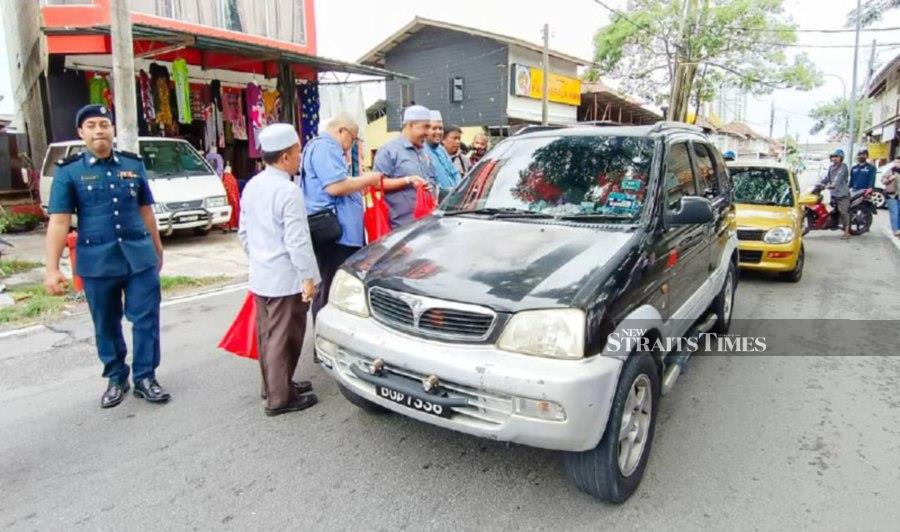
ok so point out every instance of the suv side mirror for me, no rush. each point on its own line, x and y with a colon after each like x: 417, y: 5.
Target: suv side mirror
x: 694, y: 210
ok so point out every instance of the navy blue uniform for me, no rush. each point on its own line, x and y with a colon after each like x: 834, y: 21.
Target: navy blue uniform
x: 116, y: 255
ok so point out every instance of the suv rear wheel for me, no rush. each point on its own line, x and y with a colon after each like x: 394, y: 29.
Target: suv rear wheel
x: 613, y: 469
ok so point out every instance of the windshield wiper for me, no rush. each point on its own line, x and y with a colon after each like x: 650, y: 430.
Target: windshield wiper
x: 588, y: 217
x: 501, y: 213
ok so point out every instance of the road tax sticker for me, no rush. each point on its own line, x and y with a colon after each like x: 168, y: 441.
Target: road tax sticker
x: 632, y: 184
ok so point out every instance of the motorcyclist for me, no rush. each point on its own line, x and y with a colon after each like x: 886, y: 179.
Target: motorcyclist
x: 837, y: 180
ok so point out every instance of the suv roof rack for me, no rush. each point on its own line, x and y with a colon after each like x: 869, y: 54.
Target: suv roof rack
x: 667, y: 125
x: 533, y: 129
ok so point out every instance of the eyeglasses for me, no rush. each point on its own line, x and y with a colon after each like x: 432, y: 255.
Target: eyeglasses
x: 353, y: 137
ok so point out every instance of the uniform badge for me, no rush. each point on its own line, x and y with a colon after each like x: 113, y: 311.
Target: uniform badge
x: 127, y: 174
x: 89, y: 178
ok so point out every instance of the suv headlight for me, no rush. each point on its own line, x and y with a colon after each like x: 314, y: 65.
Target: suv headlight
x: 779, y: 235
x: 555, y: 333
x: 349, y: 294
x: 216, y: 201
x: 159, y: 208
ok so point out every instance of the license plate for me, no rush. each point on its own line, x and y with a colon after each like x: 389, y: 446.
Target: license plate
x: 186, y: 219
x: 413, y: 402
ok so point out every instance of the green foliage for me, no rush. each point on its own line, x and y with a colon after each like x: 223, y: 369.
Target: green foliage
x: 182, y: 282
x: 14, y: 266
x: 18, y: 222
x: 737, y: 43
x: 32, y: 302
x: 834, y: 118
x: 871, y: 11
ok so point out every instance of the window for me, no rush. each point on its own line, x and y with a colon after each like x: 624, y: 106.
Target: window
x: 169, y: 8
x: 706, y: 170
x: 229, y: 18
x: 54, y: 154
x: 456, y: 90
x: 679, y: 176
x: 407, y: 94
x: 164, y: 158
x: 763, y: 186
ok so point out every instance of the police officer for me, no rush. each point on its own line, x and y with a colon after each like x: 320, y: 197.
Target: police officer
x: 119, y: 252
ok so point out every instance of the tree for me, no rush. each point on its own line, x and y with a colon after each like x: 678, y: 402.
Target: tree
x: 871, y: 11
x: 834, y: 118
x: 678, y: 52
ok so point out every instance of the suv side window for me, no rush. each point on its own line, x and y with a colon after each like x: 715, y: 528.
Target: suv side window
x: 724, y: 177
x: 679, y: 177
x: 706, y: 170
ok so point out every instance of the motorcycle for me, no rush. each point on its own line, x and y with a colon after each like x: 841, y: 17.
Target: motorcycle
x: 819, y: 217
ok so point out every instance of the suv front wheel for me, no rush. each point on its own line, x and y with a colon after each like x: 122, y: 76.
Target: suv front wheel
x: 613, y: 469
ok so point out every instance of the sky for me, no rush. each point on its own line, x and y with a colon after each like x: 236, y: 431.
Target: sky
x: 346, y: 29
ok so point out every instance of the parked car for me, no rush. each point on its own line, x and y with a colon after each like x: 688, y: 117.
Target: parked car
x: 187, y: 191
x: 503, y: 314
x: 770, y: 218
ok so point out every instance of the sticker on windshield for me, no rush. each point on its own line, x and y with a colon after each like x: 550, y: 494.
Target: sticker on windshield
x: 620, y: 200
x: 631, y: 184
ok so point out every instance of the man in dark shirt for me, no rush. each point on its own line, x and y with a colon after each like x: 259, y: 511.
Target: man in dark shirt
x: 862, y: 175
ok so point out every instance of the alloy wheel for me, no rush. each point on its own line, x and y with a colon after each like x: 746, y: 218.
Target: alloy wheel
x: 635, y: 427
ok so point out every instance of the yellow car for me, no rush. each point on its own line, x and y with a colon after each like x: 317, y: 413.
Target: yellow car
x: 769, y: 218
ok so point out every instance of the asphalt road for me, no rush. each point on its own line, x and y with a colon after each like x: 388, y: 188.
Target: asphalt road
x: 743, y: 442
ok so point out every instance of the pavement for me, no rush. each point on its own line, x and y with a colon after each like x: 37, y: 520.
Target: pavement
x: 807, y: 441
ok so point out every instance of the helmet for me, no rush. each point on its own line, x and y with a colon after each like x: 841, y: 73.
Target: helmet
x: 838, y: 153
x: 729, y: 155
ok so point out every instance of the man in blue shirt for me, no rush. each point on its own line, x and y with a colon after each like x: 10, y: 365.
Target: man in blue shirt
x: 445, y: 172
x: 327, y: 185
x: 119, y: 252
x: 862, y: 175
x: 405, y: 159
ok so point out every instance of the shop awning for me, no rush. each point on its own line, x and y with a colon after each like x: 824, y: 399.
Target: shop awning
x: 206, y: 47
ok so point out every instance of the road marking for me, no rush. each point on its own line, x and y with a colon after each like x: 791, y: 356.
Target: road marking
x: 203, y: 295
x: 890, y: 236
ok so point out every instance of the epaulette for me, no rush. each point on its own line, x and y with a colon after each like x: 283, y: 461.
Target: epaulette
x: 130, y: 155
x: 68, y: 160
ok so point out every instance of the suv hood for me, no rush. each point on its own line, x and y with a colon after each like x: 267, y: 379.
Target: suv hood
x: 505, y: 265
x: 185, y: 188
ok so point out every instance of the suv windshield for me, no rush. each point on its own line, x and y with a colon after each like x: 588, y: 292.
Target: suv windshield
x: 564, y: 176
x: 171, y: 159
x: 762, y: 186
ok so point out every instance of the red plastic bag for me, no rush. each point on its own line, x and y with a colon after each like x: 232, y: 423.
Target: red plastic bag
x: 241, y: 337
x: 425, y: 202
x: 377, y: 216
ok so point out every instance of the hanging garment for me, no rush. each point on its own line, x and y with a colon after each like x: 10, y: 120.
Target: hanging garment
x: 182, y: 90
x: 234, y: 199
x: 148, y: 110
x: 233, y: 109
x: 256, y: 113
x: 199, y: 99
x: 160, y: 82
x: 215, y: 93
x: 272, y: 104
x: 309, y: 110
x: 97, y: 87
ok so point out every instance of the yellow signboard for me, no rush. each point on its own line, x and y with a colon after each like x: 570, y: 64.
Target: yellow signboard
x: 879, y: 150
x: 528, y: 82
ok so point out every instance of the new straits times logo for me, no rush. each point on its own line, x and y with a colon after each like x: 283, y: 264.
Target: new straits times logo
x: 633, y: 340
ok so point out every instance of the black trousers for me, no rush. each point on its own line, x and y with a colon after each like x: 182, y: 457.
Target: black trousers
x: 329, y: 258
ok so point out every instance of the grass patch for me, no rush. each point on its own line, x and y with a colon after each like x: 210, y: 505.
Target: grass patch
x: 14, y: 266
x: 32, y: 302
x: 172, y: 283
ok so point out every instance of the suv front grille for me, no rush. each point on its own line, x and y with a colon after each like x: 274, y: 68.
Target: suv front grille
x: 184, y: 205
x: 431, y: 317
x: 750, y: 234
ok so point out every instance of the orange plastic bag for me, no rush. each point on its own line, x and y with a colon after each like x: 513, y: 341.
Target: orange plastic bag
x: 241, y: 337
x: 425, y: 202
x: 377, y: 216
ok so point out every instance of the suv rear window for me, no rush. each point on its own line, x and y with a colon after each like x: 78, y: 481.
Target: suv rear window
x: 172, y: 159
x: 54, y: 154
x: 762, y: 186
x: 599, y: 175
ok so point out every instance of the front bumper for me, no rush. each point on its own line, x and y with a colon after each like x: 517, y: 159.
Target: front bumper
x: 497, y: 386
x: 755, y: 255
x: 190, y: 219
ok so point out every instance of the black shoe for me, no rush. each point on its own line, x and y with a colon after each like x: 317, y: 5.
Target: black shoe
x: 301, y: 402
x: 150, y: 390
x: 115, y: 394
x: 300, y: 387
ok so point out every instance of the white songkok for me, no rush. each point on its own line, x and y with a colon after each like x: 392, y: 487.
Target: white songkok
x: 277, y: 137
x: 416, y: 113
x: 436, y: 116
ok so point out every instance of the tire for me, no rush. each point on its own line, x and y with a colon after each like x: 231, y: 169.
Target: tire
x: 723, y: 304
x: 200, y: 231
x: 600, y: 471
x: 878, y: 198
x: 363, y: 404
x: 796, y: 274
x: 860, y: 221
x: 808, y: 222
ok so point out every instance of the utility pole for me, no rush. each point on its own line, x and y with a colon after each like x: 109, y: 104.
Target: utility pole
x: 545, y: 82
x: 853, y: 86
x: 123, y: 75
x: 787, y: 120
x: 772, y: 120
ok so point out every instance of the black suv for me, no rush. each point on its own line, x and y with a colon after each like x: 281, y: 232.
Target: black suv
x: 538, y: 305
